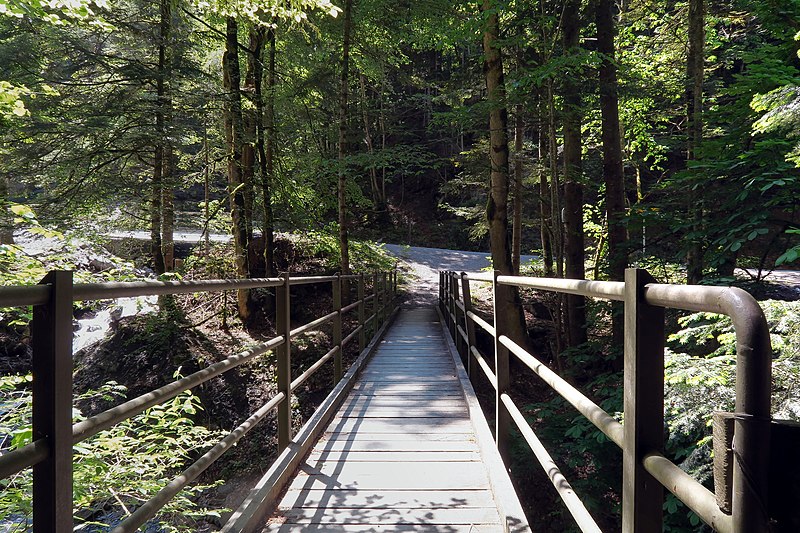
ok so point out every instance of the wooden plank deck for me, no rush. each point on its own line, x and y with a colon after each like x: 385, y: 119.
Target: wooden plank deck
x: 402, y: 452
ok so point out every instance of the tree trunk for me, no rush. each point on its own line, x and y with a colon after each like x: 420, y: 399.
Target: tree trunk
x: 343, y: 116
x: 573, y: 189
x: 168, y: 209
x: 233, y: 138
x: 557, y: 223
x: 497, y: 205
x: 612, y: 159
x: 516, y: 227
x: 160, y: 153
x: 266, y: 148
x: 694, y: 115
x: 251, y: 120
x: 545, y: 211
x: 373, y: 172
x: 6, y: 220
x: 156, y: 252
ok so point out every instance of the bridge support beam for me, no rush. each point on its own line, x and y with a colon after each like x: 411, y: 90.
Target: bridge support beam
x: 642, y: 495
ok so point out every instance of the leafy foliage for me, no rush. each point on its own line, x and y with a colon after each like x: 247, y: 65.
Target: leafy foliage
x: 118, y: 468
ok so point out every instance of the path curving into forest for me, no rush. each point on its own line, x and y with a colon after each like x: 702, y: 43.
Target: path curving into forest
x: 425, y: 263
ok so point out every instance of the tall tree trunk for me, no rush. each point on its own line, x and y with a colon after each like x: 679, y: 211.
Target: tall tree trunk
x: 382, y: 124
x: 6, y: 220
x: 266, y: 148
x: 573, y: 189
x: 373, y: 172
x: 168, y: 208
x: 497, y: 206
x: 612, y: 158
x: 694, y: 115
x: 516, y: 226
x: 557, y: 223
x: 156, y: 253
x: 160, y: 152
x: 545, y: 211
x: 233, y: 137
x: 343, y: 117
x: 251, y: 120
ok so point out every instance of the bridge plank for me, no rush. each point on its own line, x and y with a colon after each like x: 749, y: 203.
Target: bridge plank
x: 388, y: 499
x: 379, y: 528
x: 462, y: 516
x: 392, y: 456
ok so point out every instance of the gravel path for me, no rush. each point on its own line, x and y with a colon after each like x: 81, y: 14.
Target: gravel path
x: 425, y: 264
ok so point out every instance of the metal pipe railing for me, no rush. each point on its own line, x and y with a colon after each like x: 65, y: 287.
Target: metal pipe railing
x: 568, y: 496
x: 593, y: 412
x: 54, y: 435
x: 94, y: 424
x: 149, y: 509
x: 642, y: 435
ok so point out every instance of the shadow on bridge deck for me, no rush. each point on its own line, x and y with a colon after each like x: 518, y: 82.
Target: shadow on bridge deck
x: 408, y: 450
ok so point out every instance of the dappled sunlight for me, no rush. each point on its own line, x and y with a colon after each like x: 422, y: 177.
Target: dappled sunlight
x: 401, y: 453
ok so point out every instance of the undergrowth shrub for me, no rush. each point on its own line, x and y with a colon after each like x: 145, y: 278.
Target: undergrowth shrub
x: 117, y: 469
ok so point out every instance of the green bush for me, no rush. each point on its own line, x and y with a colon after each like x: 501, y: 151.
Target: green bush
x: 117, y: 469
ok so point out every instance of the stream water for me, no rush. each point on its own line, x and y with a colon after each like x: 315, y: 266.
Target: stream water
x: 93, y: 329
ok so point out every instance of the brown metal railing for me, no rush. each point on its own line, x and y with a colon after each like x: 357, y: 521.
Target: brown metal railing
x: 641, y: 436
x: 50, y: 452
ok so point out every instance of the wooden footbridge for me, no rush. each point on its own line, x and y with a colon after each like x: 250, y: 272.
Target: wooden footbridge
x: 401, y: 443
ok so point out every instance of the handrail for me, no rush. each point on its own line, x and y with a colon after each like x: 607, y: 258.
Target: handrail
x: 590, y: 410
x: 152, y: 506
x: 642, y: 299
x: 97, y: 423
x: 52, y: 300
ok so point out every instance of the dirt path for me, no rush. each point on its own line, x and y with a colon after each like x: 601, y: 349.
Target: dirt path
x: 425, y: 264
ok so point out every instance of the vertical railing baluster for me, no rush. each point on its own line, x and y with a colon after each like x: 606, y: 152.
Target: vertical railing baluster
x: 284, y: 362
x: 469, y: 325
x: 362, y: 335
x: 642, y: 495
x: 386, y: 302
x: 378, y: 301
x: 502, y: 416
x: 375, y: 297
x: 441, y: 289
x: 337, y: 328
x: 51, y: 338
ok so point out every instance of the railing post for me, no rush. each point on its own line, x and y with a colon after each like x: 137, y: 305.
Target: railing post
x: 452, y: 307
x: 502, y: 416
x: 375, y: 297
x: 284, y: 363
x: 337, y: 328
x: 441, y: 289
x: 385, y: 298
x: 642, y: 495
x: 51, y: 337
x: 362, y: 335
x: 469, y: 326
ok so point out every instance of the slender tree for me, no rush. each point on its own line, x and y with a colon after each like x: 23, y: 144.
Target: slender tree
x: 233, y: 137
x: 545, y: 212
x: 612, y: 155
x: 343, y: 118
x: 497, y: 204
x: 266, y: 148
x: 162, y: 157
x: 573, y: 188
x: 516, y: 226
x: 694, y: 115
